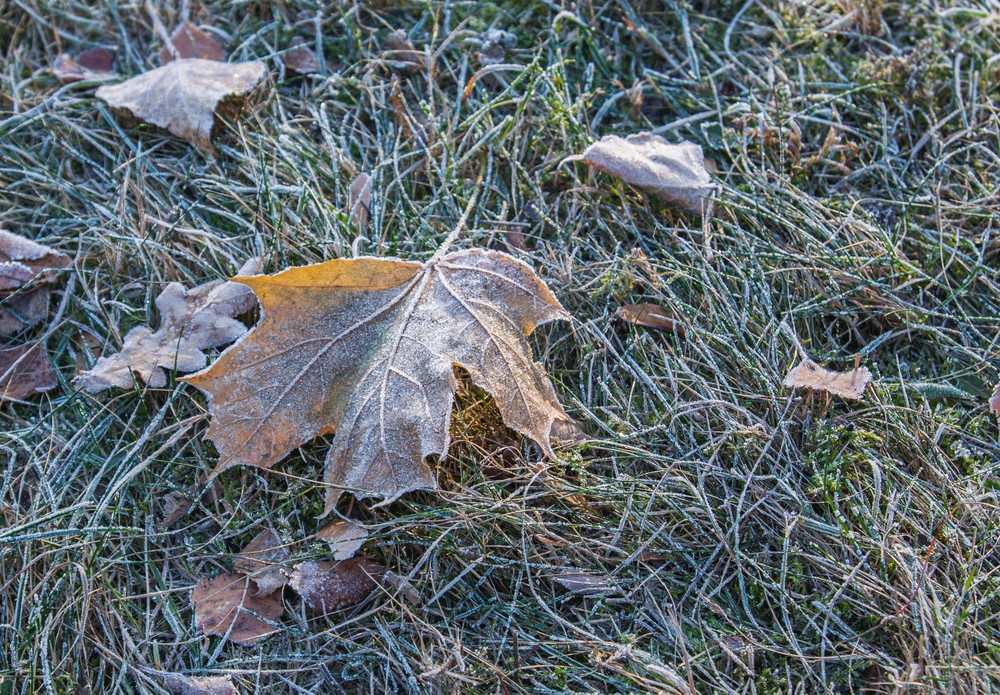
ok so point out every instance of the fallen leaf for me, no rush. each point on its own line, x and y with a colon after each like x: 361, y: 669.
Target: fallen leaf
x: 402, y: 586
x: 191, y: 42
x: 674, y: 172
x: 328, y: 586
x: 494, y: 44
x: 300, y: 58
x: 230, y: 603
x: 176, y: 505
x: 413, y: 122
x: 995, y: 401
x: 22, y: 309
x: 191, y: 321
x: 24, y: 371
x: 14, y: 276
x: 515, y: 240
x: 401, y: 55
x: 366, y: 348
x: 567, y: 432
x: 208, y: 685
x: 361, y: 200
x: 583, y: 583
x: 809, y: 375
x: 90, y: 65
x: 652, y: 557
x: 261, y: 559
x: 39, y: 258
x: 650, y: 316
x: 183, y: 96
x: 24, y: 270
x: 344, y: 538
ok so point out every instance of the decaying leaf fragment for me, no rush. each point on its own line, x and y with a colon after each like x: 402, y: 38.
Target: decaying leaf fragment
x: 207, y: 685
x: 584, y: 583
x: 676, y: 173
x: 24, y: 273
x: 995, y: 401
x: 183, y: 96
x: 24, y: 371
x: 231, y: 603
x: 344, y: 538
x: 366, y: 348
x: 191, y: 321
x: 361, y: 200
x: 262, y: 558
x: 176, y: 505
x: 401, y: 55
x: 328, y: 586
x: 90, y: 65
x: 300, y: 58
x: 651, y: 316
x: 188, y: 41
x: 809, y: 375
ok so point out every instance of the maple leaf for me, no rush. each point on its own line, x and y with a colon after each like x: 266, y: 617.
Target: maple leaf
x: 184, y: 95
x: 191, y: 321
x: 676, y: 173
x: 366, y: 348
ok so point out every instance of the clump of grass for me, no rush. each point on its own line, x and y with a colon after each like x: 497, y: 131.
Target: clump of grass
x: 750, y: 539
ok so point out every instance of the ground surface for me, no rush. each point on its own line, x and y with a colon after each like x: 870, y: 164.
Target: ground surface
x: 744, y: 538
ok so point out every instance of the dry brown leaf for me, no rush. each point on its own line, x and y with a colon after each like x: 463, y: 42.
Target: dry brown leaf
x: 90, y: 65
x: 515, y: 240
x: 583, y: 583
x: 329, y: 586
x: 191, y: 42
x: 401, y: 55
x: 35, y: 256
x: 402, y: 587
x: 300, y: 58
x: 230, y: 603
x: 676, y: 173
x: 995, y: 401
x: 24, y: 371
x: 494, y: 44
x: 24, y: 309
x: 183, y: 96
x: 361, y: 200
x: 262, y: 558
x: 191, y: 321
x: 809, y: 375
x: 176, y: 505
x: 344, y: 538
x: 208, y: 685
x: 24, y: 271
x: 650, y: 316
x: 366, y: 348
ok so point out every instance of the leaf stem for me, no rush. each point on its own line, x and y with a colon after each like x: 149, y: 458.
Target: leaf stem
x: 460, y: 227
